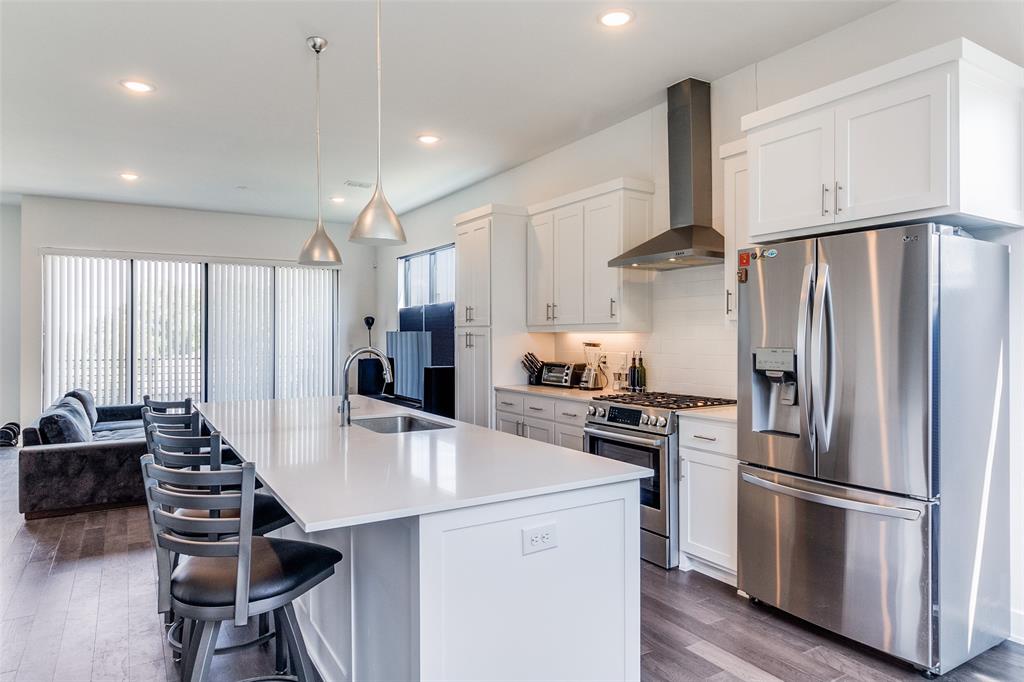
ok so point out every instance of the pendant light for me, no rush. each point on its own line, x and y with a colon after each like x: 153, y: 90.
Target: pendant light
x: 377, y: 223
x: 318, y: 249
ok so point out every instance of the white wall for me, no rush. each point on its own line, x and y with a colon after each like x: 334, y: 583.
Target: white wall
x: 10, y: 286
x: 101, y: 226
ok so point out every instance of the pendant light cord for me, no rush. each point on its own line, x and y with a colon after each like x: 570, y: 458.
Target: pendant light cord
x: 316, y: 124
x: 378, y: 94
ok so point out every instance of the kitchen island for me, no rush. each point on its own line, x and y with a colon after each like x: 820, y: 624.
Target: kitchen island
x: 469, y: 553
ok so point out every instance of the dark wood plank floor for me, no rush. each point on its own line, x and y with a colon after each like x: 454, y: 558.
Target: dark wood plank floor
x: 78, y: 603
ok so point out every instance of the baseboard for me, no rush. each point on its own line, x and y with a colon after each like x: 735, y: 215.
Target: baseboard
x: 692, y: 563
x: 1017, y: 626
x: 82, y: 509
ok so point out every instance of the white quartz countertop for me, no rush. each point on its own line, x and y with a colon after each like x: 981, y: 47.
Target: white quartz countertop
x: 330, y: 477
x: 554, y: 392
x: 723, y: 413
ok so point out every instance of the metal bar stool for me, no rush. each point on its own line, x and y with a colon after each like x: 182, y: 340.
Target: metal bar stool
x: 168, y: 406
x: 174, y: 450
x: 225, y: 573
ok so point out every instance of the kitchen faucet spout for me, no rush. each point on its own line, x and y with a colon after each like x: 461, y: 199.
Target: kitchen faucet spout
x: 346, y: 407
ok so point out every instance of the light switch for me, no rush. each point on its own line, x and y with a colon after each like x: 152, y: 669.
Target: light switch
x: 539, y: 538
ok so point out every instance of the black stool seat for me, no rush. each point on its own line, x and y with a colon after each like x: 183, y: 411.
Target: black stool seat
x: 278, y: 566
x: 267, y: 514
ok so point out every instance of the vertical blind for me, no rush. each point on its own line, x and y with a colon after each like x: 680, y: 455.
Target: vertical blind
x: 241, y: 329
x: 85, y: 327
x: 304, y: 338
x: 427, y: 277
x: 124, y: 328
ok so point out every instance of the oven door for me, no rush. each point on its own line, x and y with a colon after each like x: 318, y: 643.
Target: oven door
x: 643, y: 450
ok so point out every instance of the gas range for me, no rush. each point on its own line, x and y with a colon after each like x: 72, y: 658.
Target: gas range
x: 651, y: 412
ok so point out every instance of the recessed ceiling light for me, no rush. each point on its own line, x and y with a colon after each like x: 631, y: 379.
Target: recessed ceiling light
x: 673, y: 260
x: 138, y: 86
x: 338, y: 200
x: 428, y: 139
x: 617, y: 17
x: 129, y: 176
x: 635, y: 264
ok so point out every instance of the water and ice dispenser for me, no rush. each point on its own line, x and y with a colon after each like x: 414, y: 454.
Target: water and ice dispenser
x: 774, y: 395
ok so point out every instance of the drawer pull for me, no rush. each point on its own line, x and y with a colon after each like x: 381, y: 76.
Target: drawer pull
x: 708, y: 438
x: 505, y: 402
x: 569, y: 414
x: 536, y: 409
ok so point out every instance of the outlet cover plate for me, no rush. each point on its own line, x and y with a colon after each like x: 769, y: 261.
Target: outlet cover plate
x: 539, y: 538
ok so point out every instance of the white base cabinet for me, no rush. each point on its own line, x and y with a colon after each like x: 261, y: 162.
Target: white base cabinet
x: 934, y: 136
x: 707, y: 496
x: 541, y: 418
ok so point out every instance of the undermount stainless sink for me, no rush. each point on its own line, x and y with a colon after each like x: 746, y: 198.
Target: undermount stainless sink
x: 399, y: 423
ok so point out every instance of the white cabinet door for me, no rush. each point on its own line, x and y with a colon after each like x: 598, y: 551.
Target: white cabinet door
x: 792, y: 172
x: 602, y: 241
x: 463, y: 273
x: 892, y: 148
x: 568, y: 290
x: 736, y: 217
x: 473, y: 273
x: 507, y: 423
x: 540, y: 269
x: 539, y: 429
x: 707, y: 507
x: 473, y: 375
x: 569, y: 436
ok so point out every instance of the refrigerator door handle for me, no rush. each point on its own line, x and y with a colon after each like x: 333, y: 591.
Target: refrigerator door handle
x: 802, y: 384
x: 823, y: 383
x: 829, y: 500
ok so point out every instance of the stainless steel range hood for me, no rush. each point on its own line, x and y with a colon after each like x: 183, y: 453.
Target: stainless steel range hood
x: 691, y: 241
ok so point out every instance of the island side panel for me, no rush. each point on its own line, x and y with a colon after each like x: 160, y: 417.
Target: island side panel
x: 489, y: 610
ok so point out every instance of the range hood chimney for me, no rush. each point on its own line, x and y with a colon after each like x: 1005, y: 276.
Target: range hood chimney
x: 691, y: 240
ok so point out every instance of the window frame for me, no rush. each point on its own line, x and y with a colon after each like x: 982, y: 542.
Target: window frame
x: 405, y: 289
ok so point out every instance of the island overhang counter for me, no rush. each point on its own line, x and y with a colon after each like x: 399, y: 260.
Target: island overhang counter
x: 469, y: 553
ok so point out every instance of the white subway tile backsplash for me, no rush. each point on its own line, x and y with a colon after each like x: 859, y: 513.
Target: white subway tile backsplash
x: 692, y: 348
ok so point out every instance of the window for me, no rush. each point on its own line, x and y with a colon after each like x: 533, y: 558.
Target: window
x: 427, y: 277
x: 125, y: 328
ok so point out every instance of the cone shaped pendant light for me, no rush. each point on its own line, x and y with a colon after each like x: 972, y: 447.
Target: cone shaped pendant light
x: 318, y: 249
x: 377, y: 223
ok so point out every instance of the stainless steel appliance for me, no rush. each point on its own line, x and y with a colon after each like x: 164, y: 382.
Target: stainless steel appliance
x: 565, y: 374
x: 872, y: 435
x: 641, y: 429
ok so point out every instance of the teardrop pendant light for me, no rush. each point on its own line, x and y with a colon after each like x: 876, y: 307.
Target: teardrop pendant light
x: 318, y: 249
x: 377, y: 223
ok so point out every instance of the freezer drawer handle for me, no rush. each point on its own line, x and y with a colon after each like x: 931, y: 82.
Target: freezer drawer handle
x: 852, y: 505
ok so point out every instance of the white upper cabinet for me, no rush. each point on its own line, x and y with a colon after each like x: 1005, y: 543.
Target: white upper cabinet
x: 934, y: 136
x: 569, y: 243
x: 734, y: 199
x: 540, y: 269
x: 567, y: 303
x: 473, y: 278
x: 791, y: 173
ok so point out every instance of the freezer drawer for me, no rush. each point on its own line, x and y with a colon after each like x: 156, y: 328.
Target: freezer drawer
x: 854, y: 562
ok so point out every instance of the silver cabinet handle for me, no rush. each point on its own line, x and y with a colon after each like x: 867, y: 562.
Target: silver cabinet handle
x: 728, y: 299
x: 611, y: 307
x: 471, y: 314
x: 554, y: 309
x: 824, y: 197
x: 505, y: 402
x: 520, y: 428
x: 547, y: 311
x: 569, y: 414
x: 536, y: 409
x: 838, y: 207
x: 466, y: 315
x: 707, y: 438
x: 840, y: 502
x: 682, y: 468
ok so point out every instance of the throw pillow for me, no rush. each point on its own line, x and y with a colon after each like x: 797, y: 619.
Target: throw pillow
x: 85, y: 397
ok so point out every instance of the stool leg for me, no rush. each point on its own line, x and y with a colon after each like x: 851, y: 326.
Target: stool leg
x: 189, y: 642
x: 280, y: 644
x: 297, y: 647
x: 206, y: 637
x: 264, y: 623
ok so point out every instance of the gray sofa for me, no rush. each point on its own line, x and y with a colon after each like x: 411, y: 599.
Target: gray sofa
x: 78, y: 456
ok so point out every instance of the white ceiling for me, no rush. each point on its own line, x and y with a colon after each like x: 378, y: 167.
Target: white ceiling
x: 500, y: 82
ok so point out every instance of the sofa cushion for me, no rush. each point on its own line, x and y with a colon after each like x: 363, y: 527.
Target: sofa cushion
x: 120, y: 425
x: 120, y: 434
x: 66, y: 422
x: 85, y: 397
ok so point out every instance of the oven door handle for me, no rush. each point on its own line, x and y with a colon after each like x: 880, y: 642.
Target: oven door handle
x: 635, y: 440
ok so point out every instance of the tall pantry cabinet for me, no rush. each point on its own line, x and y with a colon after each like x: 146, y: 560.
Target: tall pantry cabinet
x: 490, y: 300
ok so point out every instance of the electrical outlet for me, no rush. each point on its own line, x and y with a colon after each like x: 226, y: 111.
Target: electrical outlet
x: 539, y: 538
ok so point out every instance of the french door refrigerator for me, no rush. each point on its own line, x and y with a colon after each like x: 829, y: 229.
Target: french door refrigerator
x: 872, y: 422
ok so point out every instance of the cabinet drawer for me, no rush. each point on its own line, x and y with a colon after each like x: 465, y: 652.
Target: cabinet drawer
x: 570, y: 412
x: 712, y: 436
x: 541, y: 408
x: 507, y: 401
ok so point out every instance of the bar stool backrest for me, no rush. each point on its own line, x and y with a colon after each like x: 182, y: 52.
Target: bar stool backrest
x: 181, y: 452
x: 204, y: 535
x: 165, y: 406
x: 185, y: 424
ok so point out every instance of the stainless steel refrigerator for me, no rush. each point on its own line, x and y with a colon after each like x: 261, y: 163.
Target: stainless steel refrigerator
x: 873, y: 427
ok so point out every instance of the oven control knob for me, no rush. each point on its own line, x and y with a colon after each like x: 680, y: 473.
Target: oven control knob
x: 590, y: 409
x: 644, y: 419
x: 662, y: 421
x: 600, y: 412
